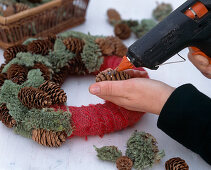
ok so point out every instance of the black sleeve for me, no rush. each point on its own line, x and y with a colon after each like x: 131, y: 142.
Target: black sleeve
x: 186, y: 117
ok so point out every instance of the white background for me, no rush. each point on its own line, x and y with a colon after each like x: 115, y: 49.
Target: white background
x: 19, y: 153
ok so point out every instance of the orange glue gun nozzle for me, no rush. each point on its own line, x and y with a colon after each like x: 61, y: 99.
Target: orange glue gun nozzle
x: 125, y: 64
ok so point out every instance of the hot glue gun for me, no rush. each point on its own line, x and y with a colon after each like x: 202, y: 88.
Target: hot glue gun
x: 187, y: 26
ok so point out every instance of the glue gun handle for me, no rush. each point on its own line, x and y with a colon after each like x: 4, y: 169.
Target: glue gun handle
x: 197, y: 51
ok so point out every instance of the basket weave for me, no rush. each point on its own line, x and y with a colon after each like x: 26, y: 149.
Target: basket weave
x: 52, y: 17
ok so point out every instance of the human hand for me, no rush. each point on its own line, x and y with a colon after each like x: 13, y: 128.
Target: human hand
x: 137, y: 94
x: 201, y: 63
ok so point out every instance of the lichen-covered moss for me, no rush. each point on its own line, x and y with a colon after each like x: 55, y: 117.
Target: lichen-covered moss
x: 162, y: 11
x: 142, y: 150
x: 27, y: 119
x: 91, y: 55
x: 108, y: 153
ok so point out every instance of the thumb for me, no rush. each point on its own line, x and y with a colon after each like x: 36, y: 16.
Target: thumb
x: 107, y: 88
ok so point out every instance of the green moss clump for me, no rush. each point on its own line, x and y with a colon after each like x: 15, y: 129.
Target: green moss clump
x: 108, y: 153
x: 162, y: 11
x: 142, y: 149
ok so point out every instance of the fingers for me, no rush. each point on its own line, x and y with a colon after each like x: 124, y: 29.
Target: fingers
x: 136, y: 73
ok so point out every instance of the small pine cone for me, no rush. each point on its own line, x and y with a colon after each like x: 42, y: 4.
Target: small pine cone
x: 34, y: 98
x: 61, y: 76
x: 121, y: 49
x: 124, y: 163
x: 44, y: 69
x: 3, y: 77
x: 122, y: 31
x: 75, y: 45
x: 52, y: 38
x: 11, y: 52
x: 48, y: 138
x: 176, y: 164
x: 113, y: 16
x: 10, y: 10
x: 5, y: 117
x: 35, y: 1
x: 17, y: 73
x: 112, y: 75
x: 19, y: 7
x: 2, y: 67
x: 58, y: 96
x: 40, y: 47
x: 76, y: 66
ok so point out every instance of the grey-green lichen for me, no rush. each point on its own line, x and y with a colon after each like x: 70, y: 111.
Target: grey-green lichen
x: 162, y: 11
x: 108, y: 153
x: 27, y: 119
x: 142, y: 149
x: 91, y: 55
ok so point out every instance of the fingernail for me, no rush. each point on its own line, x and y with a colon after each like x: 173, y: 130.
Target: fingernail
x: 95, y: 90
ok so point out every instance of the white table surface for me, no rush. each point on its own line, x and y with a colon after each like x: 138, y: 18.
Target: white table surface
x: 19, y: 153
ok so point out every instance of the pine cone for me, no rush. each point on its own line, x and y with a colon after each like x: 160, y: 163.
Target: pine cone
x: 48, y: 138
x: 122, y: 31
x: 40, y: 47
x: 10, y: 10
x: 2, y: 67
x: 3, y: 77
x: 34, y: 98
x: 124, y: 163
x: 61, y: 76
x: 176, y: 164
x: 58, y: 96
x: 11, y: 52
x: 75, y: 45
x: 52, y: 38
x: 76, y: 66
x: 112, y: 75
x: 111, y: 46
x: 44, y: 69
x: 35, y: 1
x: 17, y: 73
x: 113, y: 16
x: 19, y: 7
x: 5, y: 117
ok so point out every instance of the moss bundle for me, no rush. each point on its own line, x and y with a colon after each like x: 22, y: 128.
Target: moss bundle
x: 162, y: 11
x: 44, y: 69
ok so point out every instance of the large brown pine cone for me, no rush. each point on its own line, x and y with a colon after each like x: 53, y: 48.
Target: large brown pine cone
x: 122, y: 31
x: 58, y: 96
x: 112, y: 75
x: 5, y: 117
x: 113, y: 16
x: 19, y: 7
x: 3, y: 77
x: 111, y: 46
x: 17, y: 73
x: 124, y: 163
x: 176, y: 164
x: 2, y: 67
x: 61, y: 76
x: 76, y: 66
x: 44, y: 69
x: 34, y: 98
x: 40, y: 47
x: 75, y: 45
x: 48, y: 138
x: 11, y: 52
x: 52, y: 38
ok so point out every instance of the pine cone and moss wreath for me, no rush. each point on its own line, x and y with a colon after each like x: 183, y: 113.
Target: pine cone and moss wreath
x: 40, y: 47
x: 112, y: 75
x: 58, y: 96
x: 17, y: 73
x: 113, y: 16
x: 34, y: 98
x: 124, y: 163
x: 122, y: 31
x: 76, y: 66
x: 48, y: 138
x: 44, y: 69
x: 3, y: 77
x: 5, y: 117
x: 11, y: 52
x: 75, y: 45
x: 176, y: 164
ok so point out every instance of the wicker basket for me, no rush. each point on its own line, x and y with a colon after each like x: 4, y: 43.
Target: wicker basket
x: 52, y: 17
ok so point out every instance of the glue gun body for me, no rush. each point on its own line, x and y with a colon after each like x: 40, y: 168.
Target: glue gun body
x: 189, y: 25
